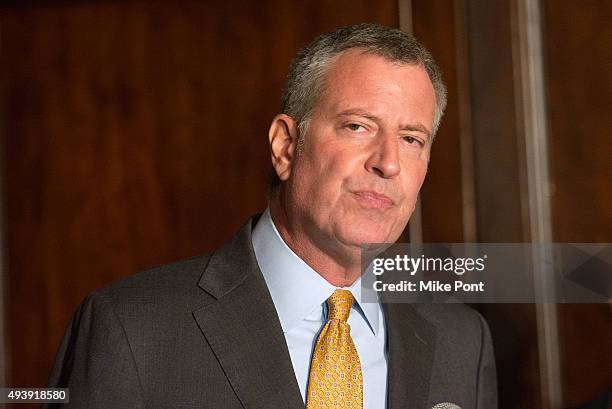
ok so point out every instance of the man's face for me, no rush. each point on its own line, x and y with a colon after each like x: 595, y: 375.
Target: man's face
x: 356, y: 176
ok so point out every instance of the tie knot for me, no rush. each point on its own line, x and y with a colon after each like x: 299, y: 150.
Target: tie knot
x: 340, y: 303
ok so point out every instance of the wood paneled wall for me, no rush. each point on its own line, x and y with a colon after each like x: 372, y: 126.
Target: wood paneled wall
x: 578, y: 53
x: 135, y: 133
x: 480, y: 66
x: 472, y: 42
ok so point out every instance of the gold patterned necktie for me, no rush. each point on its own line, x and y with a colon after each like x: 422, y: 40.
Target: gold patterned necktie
x: 335, y: 379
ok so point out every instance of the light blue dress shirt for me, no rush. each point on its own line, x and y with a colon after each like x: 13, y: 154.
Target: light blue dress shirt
x: 299, y: 295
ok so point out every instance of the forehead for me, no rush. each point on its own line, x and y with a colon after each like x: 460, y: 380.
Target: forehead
x: 358, y: 77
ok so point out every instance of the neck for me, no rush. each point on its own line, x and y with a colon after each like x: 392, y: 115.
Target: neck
x: 339, y: 268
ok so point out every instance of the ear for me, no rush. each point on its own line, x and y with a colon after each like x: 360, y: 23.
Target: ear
x: 283, y: 141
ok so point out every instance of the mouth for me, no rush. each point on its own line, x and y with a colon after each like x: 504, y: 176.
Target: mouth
x: 373, y: 199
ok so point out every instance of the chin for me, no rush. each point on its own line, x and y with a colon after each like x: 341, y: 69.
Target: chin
x: 365, y: 234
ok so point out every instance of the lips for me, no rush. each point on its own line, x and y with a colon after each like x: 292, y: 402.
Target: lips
x: 373, y: 199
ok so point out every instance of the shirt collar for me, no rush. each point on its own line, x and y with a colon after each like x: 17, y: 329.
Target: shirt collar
x: 296, y: 289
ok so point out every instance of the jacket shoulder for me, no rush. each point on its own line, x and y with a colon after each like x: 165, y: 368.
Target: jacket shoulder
x: 169, y: 286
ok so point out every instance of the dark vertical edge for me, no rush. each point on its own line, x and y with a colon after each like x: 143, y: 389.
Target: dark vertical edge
x: 494, y: 126
x: 4, y: 357
x: 466, y: 140
x: 404, y: 8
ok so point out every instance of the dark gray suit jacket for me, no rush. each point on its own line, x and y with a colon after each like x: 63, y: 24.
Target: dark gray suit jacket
x: 204, y: 333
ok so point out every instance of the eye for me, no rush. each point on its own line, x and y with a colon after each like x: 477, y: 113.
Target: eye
x: 356, y: 127
x: 411, y: 140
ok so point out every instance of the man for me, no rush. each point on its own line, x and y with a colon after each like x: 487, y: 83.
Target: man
x: 273, y: 319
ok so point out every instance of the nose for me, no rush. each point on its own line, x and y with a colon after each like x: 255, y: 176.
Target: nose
x: 384, y: 158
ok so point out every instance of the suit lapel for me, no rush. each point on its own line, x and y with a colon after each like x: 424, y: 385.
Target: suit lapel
x: 243, y: 329
x: 411, y: 345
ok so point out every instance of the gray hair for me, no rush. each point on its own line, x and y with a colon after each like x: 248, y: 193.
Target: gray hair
x: 306, y: 77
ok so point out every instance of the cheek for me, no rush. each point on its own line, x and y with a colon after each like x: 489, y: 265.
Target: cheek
x: 421, y: 173
x: 415, y: 170
x: 414, y: 177
x: 329, y: 164
x: 316, y: 181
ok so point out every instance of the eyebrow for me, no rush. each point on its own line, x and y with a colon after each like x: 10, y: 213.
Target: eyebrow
x: 418, y: 127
